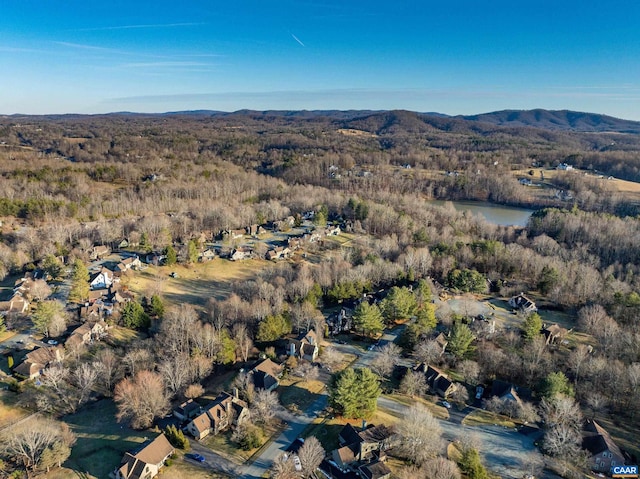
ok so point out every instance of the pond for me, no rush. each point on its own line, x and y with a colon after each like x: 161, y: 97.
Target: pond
x: 496, y: 214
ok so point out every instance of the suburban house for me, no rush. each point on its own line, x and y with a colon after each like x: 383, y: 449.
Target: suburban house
x: 218, y: 416
x: 127, y: 264
x: 187, y: 411
x: 241, y: 253
x: 36, y: 361
x: 603, y: 453
x: 305, y: 346
x: 17, y: 304
x: 101, y: 280
x: 523, y: 304
x: 510, y: 392
x: 266, y: 375
x: 207, y: 255
x: 375, y: 470
x: 332, y: 231
x: 555, y: 333
x: 86, y: 334
x: 98, y: 252
x: 438, y: 382
x: 255, y: 230
x: 279, y: 252
x: 146, y: 461
x: 363, y: 445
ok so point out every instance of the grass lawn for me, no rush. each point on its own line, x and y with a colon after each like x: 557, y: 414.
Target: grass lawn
x: 196, y: 283
x: 487, y: 418
x: 223, y: 445
x: 297, y: 395
x: 181, y: 469
x: 101, y: 441
x: 10, y: 412
x: 119, y: 336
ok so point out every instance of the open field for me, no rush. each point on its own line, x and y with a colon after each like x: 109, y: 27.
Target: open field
x: 10, y: 412
x: 101, y: 441
x: 629, y: 188
x: 195, y: 283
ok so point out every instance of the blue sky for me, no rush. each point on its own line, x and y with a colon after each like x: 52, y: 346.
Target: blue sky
x: 455, y: 57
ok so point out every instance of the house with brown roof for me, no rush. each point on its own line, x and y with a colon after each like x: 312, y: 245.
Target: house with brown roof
x: 218, y: 416
x: 279, y: 252
x: 375, y: 470
x: 36, y: 361
x: 305, y: 346
x: 363, y: 445
x: 603, y: 452
x: 266, y: 375
x: 86, y: 334
x: 128, y: 263
x: 438, y: 382
x: 146, y: 461
x: 555, y: 333
x: 98, y: 252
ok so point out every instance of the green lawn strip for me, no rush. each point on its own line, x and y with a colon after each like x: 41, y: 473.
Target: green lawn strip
x: 101, y: 441
x: 481, y: 417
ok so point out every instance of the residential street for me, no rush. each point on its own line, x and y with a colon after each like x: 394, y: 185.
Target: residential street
x: 295, y: 427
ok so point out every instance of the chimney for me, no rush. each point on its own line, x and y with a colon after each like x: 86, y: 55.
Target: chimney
x: 235, y: 393
x: 364, y: 424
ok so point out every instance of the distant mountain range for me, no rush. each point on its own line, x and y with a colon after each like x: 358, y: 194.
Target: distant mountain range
x: 398, y: 121
x: 558, y: 120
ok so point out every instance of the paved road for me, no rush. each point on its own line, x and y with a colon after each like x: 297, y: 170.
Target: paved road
x: 506, y: 452
x: 297, y: 424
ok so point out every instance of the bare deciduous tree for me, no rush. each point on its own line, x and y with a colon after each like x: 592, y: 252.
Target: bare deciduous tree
x: 193, y: 391
x: 470, y: 371
x: 311, y: 455
x: 107, y: 364
x: 386, y: 360
x: 175, y: 372
x: 420, y: 433
x: 439, y: 468
x: 283, y: 468
x: 243, y: 341
x: 414, y: 383
x: 85, y: 377
x: 428, y: 351
x: 27, y: 442
x: 141, y: 399
x: 265, y: 406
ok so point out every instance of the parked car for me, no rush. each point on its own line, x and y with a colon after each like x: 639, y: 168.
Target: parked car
x: 52, y: 342
x: 446, y: 404
x: 195, y: 457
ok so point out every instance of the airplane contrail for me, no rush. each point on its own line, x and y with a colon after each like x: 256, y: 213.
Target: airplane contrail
x: 297, y: 39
